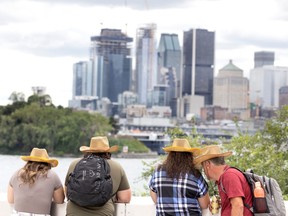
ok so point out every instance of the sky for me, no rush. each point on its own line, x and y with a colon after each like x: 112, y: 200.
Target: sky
x: 40, y: 40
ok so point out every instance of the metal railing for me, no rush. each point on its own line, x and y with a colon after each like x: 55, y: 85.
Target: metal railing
x: 139, y: 206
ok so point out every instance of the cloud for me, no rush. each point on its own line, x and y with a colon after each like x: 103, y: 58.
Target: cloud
x: 241, y: 39
x: 283, y: 8
x: 133, y: 4
x: 6, y: 18
x: 51, y: 35
x: 51, y: 44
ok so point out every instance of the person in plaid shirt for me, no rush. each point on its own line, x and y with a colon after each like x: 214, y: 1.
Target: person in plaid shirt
x: 176, y: 186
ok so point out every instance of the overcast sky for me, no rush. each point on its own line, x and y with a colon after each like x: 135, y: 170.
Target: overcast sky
x: 40, y: 40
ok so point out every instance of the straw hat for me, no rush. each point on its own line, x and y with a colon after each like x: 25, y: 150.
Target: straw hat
x: 40, y: 155
x: 99, y: 144
x: 180, y: 145
x: 208, y: 152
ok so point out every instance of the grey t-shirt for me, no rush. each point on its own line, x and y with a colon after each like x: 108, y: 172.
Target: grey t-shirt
x: 36, y: 198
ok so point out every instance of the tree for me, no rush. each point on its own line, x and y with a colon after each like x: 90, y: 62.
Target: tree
x: 60, y: 131
x: 17, y: 96
x: 265, y: 152
x: 113, y: 121
x: 42, y: 100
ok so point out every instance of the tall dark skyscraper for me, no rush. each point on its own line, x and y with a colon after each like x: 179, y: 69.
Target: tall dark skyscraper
x: 112, y: 63
x: 198, y: 64
x: 263, y: 58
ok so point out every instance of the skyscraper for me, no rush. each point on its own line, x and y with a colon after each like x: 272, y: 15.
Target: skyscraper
x: 263, y: 58
x: 198, y: 64
x: 83, y: 96
x: 169, y: 55
x: 112, y: 63
x: 265, y: 83
x: 169, y: 66
x: 146, y: 62
x: 82, y: 79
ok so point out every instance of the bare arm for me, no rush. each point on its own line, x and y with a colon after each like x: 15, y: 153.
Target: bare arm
x: 204, y: 201
x: 10, y: 194
x: 124, y: 196
x: 58, y: 196
x: 153, y: 196
x: 237, y: 206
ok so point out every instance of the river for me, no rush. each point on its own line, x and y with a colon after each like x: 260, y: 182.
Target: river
x: 133, y: 168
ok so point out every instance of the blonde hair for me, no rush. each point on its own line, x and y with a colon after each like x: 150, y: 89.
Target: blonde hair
x: 32, y: 170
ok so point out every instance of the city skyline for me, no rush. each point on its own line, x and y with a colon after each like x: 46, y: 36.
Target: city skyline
x: 40, y: 41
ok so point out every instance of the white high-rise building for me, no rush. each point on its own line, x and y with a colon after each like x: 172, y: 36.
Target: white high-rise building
x: 146, y: 62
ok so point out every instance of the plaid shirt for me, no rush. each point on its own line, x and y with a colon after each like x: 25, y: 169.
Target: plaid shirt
x: 178, y: 197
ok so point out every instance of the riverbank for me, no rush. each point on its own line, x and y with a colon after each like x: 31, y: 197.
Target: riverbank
x: 137, y: 155
x: 132, y: 155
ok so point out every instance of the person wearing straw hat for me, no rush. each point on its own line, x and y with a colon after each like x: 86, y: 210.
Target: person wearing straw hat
x: 33, y: 188
x: 176, y: 186
x: 99, y: 146
x: 232, y: 185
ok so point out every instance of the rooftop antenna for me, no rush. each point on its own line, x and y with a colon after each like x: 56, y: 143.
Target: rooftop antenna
x: 126, y: 31
x: 146, y: 5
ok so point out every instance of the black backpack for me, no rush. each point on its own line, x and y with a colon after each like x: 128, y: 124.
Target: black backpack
x: 90, y: 183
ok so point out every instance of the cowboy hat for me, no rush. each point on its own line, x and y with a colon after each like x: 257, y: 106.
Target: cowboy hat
x: 40, y: 155
x: 99, y: 144
x: 180, y: 145
x: 208, y: 152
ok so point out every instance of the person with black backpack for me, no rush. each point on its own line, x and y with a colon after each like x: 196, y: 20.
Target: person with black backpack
x: 93, y: 183
x: 234, y: 190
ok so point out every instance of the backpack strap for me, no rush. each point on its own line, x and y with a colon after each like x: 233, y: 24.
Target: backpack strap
x: 223, y: 189
x: 265, y: 185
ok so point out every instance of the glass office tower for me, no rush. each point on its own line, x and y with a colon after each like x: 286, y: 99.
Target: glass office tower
x: 146, y: 63
x: 198, y: 64
x: 111, y: 55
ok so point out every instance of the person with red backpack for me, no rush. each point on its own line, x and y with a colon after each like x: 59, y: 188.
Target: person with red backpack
x: 234, y: 190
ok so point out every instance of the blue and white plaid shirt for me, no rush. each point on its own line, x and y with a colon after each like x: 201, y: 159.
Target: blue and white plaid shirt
x: 177, y: 197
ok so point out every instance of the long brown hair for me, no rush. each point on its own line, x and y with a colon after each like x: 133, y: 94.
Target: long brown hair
x: 105, y: 155
x: 32, y: 170
x: 177, y: 164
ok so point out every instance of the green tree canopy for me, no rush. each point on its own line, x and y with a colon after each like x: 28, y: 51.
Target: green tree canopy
x: 60, y: 131
x: 265, y: 152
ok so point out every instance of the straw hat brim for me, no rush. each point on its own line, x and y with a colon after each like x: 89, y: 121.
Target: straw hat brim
x: 180, y: 149
x: 94, y: 150
x: 53, y: 162
x: 198, y: 160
